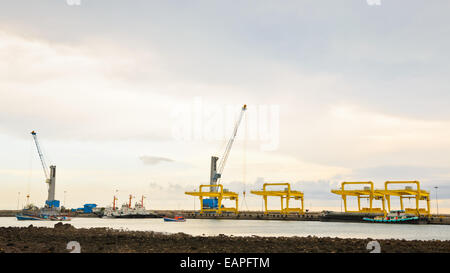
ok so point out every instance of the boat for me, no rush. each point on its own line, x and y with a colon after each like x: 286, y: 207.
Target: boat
x: 25, y: 217
x: 60, y: 218
x: 42, y: 217
x: 31, y: 212
x: 174, y: 219
x: 394, y: 217
x: 126, y: 211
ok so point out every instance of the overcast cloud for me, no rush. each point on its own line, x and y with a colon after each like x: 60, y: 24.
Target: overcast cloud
x: 363, y: 93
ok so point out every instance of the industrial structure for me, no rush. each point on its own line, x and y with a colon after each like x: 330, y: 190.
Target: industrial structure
x: 285, y: 195
x: 126, y: 210
x: 368, y: 192
x: 212, y: 200
x: 408, y: 192
x: 218, y: 196
x: 49, y: 179
x: 87, y: 208
x: 371, y: 194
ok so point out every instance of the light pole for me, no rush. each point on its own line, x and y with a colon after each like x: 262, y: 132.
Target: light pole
x: 64, y: 202
x: 437, y: 205
x: 18, y: 199
x: 195, y: 201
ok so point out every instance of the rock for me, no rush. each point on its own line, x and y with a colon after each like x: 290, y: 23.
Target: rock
x: 60, y: 225
x: 15, y: 239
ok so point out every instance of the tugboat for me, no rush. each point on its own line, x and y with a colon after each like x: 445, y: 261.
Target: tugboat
x: 394, y: 217
x: 175, y: 219
x: 126, y: 211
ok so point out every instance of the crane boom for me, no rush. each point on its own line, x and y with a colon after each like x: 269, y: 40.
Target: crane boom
x: 49, y: 179
x: 41, y: 156
x: 216, y: 173
x: 231, y: 141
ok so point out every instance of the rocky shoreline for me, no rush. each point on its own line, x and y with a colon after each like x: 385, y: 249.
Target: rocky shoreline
x: 103, y: 240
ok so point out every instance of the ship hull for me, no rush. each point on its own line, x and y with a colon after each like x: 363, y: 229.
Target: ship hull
x: 173, y: 220
x: 133, y: 216
x: 412, y: 220
x: 365, y: 218
x: 30, y: 218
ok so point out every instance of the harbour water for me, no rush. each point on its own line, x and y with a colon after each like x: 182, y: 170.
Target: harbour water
x: 256, y: 227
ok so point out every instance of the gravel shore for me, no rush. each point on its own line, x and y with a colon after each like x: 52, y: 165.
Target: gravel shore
x: 104, y: 240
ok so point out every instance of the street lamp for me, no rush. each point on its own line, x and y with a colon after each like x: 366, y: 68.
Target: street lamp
x: 437, y: 205
x: 18, y: 199
x: 64, y: 202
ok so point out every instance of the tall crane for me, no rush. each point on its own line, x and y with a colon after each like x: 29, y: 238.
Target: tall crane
x: 216, y: 173
x: 50, y: 179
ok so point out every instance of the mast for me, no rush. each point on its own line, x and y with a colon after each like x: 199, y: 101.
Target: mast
x: 129, y: 204
x: 114, y: 202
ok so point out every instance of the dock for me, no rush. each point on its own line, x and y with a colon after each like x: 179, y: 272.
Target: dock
x: 442, y: 219
x: 254, y: 215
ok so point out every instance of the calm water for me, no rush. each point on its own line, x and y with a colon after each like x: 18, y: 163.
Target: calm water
x: 257, y: 227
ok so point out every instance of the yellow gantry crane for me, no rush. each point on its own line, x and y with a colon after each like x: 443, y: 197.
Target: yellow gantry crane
x: 408, y: 193
x: 367, y: 192
x: 385, y: 194
x: 219, y: 195
x: 284, y: 195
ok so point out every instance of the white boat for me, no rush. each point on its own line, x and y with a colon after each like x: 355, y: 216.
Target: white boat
x: 126, y: 211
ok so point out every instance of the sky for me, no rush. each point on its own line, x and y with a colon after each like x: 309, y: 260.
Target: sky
x: 134, y: 97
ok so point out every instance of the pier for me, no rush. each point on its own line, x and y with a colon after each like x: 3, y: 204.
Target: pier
x: 254, y: 215
x: 442, y: 219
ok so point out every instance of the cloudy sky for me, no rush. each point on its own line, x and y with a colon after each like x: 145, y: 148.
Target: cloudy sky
x: 136, y: 96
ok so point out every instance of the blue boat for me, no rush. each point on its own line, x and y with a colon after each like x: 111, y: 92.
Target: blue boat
x: 175, y: 219
x: 42, y: 217
x: 24, y: 217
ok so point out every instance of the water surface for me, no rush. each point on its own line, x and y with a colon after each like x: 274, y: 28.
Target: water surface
x: 257, y: 227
